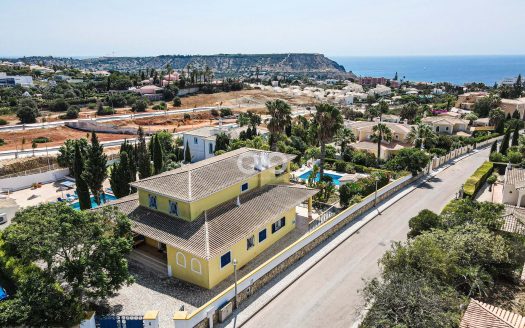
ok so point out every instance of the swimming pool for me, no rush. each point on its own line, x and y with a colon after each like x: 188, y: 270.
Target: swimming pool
x: 109, y: 197
x: 335, y: 177
x: 3, y: 294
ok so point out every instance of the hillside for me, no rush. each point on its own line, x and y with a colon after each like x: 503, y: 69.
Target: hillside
x: 221, y: 64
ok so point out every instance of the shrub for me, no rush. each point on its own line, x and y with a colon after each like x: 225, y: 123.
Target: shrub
x: 226, y: 112
x: 58, y: 105
x: 2, y: 142
x: 41, y: 140
x: 177, y: 102
x: 514, y: 157
x: 91, y: 105
x: 2, y: 121
x: 476, y: 180
x: 103, y: 110
x: 72, y: 112
x: 497, y: 157
x: 187, y: 116
x: 160, y: 106
x: 140, y: 105
x: 340, y: 166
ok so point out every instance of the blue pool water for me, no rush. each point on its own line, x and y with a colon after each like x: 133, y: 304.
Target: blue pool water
x: 76, y: 205
x: 3, y: 294
x: 335, y: 177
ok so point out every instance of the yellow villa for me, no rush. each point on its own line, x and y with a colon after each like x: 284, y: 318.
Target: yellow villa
x: 202, y: 216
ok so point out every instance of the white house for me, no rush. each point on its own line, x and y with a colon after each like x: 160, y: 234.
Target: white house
x: 447, y: 125
x: 514, y: 186
x: 201, y: 141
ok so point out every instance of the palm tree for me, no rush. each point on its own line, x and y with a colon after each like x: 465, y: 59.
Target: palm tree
x: 421, y: 133
x: 169, y: 69
x: 381, y: 132
x: 328, y: 120
x: 280, y: 111
x: 343, y: 137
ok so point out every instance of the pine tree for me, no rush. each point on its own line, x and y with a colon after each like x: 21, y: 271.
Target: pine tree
x: 494, y: 147
x: 143, y: 157
x: 516, y: 135
x: 158, y: 160
x: 82, y: 188
x: 187, y: 153
x: 95, y: 170
x: 505, y: 143
x: 516, y: 114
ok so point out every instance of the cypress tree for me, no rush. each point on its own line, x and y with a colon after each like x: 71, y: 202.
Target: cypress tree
x: 505, y: 143
x: 516, y: 135
x: 187, y: 153
x: 82, y: 188
x: 158, y: 161
x: 95, y: 171
x: 516, y: 114
x: 143, y: 157
x: 121, y: 176
x: 500, y: 127
x: 132, y: 161
x: 494, y: 147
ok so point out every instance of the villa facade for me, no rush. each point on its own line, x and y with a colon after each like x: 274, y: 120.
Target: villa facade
x: 363, y: 130
x: 201, y: 141
x: 202, y: 216
x: 514, y: 186
x: 446, y: 125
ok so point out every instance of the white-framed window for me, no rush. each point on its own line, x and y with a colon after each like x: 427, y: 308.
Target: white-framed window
x: 244, y: 187
x: 174, y: 209
x: 152, y: 201
x: 196, y: 266
x: 226, y: 259
x: 250, y: 243
x: 180, y: 259
x: 195, y: 140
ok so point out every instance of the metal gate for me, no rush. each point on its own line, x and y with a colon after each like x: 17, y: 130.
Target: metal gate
x: 120, y: 321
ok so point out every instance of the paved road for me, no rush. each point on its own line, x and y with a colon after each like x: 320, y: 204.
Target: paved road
x: 326, y: 295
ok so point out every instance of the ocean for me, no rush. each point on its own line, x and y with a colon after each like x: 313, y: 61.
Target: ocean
x: 454, y: 69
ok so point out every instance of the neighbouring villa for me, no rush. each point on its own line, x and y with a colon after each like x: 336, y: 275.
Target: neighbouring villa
x: 198, y: 218
x: 509, y: 106
x: 364, y: 129
x: 447, y: 125
x: 202, y: 141
x: 514, y: 186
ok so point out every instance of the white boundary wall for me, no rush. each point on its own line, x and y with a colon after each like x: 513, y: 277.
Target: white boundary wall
x: 25, y: 181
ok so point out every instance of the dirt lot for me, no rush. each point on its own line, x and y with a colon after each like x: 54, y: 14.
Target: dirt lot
x: 57, y: 135
x: 238, y: 100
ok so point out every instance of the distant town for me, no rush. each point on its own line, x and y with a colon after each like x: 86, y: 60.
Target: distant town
x: 178, y: 191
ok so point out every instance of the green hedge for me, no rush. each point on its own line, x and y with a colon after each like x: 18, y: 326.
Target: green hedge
x: 477, y: 179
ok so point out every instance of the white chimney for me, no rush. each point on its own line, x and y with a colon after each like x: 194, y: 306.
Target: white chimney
x: 258, y: 165
x: 238, y: 201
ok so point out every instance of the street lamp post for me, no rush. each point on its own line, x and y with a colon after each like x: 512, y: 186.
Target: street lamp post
x: 235, y: 277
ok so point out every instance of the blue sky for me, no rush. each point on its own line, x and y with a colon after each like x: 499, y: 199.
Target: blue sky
x: 332, y: 27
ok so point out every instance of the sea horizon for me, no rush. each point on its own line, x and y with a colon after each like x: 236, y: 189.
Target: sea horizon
x: 456, y: 69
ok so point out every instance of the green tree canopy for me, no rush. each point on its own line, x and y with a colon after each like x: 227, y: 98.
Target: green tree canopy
x: 80, y: 255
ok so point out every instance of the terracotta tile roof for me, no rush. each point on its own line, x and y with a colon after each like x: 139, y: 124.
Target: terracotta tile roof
x: 482, y: 315
x: 514, y: 176
x: 198, y: 180
x: 514, y: 219
x: 215, y: 232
